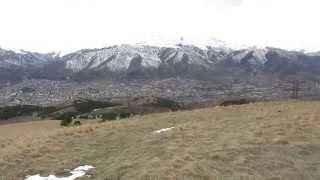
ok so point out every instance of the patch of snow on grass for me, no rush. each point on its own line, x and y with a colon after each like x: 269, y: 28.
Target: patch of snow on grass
x: 76, y: 173
x: 164, y: 130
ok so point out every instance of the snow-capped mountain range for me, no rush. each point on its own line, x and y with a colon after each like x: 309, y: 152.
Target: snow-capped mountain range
x: 156, y: 59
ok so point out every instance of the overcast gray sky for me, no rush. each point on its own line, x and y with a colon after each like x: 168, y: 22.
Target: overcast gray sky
x: 67, y: 25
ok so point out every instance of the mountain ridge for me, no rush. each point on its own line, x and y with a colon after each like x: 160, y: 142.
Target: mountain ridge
x: 144, y: 61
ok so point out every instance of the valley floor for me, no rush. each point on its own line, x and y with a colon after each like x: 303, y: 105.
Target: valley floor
x: 267, y: 141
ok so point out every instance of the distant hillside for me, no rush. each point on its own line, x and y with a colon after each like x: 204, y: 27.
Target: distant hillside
x: 180, y: 72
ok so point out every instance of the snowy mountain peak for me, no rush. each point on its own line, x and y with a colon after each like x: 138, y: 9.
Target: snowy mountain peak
x: 19, y: 51
x: 185, y: 41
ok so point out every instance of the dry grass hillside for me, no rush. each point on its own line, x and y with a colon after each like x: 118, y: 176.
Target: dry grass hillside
x: 267, y: 141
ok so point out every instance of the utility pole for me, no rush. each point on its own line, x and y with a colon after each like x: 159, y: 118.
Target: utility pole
x: 296, y: 88
x: 317, y: 84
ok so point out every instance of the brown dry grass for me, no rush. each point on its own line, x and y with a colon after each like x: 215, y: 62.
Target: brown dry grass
x: 13, y: 135
x: 31, y: 128
x: 271, y: 140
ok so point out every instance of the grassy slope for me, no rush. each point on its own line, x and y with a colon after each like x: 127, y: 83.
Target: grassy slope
x: 266, y: 140
x: 12, y: 131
